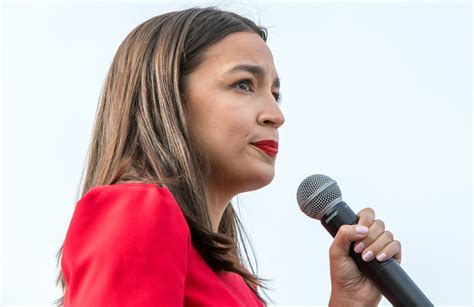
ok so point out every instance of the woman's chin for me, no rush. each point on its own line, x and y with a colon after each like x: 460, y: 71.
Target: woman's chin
x: 259, y: 180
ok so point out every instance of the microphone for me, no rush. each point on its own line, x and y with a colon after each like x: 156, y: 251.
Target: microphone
x: 319, y: 197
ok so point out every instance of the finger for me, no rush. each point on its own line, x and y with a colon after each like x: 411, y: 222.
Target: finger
x: 366, y: 217
x: 344, y: 237
x: 377, y: 246
x: 376, y: 230
x: 393, y: 249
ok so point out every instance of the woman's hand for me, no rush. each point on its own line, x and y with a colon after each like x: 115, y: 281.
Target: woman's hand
x: 349, y: 286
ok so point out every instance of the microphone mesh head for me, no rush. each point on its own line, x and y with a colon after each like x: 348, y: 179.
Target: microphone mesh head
x: 317, y: 193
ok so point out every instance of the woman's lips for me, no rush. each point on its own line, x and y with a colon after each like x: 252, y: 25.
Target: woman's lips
x: 270, y: 147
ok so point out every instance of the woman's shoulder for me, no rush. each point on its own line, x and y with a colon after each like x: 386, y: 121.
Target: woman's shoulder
x: 121, y: 239
x: 130, y: 207
x: 129, y: 189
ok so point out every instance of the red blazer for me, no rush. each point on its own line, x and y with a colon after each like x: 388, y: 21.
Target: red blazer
x: 129, y: 245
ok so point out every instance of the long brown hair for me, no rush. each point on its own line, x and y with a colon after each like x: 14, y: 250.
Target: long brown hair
x: 140, y: 132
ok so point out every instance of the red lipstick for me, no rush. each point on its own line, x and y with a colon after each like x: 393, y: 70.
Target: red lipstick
x: 270, y: 147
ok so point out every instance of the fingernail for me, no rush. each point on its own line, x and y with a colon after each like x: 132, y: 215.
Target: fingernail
x: 367, y: 255
x: 362, y: 229
x: 381, y: 257
x: 359, y: 247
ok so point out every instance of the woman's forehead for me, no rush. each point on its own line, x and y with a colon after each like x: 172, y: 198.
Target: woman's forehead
x: 241, y: 51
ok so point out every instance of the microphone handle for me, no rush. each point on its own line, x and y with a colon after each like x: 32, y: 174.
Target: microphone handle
x: 388, y: 275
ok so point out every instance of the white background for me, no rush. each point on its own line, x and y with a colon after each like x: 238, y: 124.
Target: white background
x: 376, y: 95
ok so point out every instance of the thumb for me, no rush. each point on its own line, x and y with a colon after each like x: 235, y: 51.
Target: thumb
x: 344, y: 237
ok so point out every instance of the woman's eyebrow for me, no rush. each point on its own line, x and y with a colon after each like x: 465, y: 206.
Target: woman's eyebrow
x: 258, y: 71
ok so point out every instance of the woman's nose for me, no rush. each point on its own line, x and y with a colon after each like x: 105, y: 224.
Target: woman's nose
x: 271, y: 115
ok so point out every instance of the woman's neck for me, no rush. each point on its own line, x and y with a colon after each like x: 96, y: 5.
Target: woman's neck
x: 218, y: 200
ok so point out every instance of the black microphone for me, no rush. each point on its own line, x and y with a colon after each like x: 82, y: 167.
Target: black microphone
x: 319, y: 197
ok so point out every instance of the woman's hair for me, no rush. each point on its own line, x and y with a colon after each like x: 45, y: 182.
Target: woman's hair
x: 140, y: 132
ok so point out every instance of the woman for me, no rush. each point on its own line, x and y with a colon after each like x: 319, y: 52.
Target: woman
x: 188, y: 118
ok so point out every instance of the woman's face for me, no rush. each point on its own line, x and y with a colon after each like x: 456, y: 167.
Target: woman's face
x: 231, y: 104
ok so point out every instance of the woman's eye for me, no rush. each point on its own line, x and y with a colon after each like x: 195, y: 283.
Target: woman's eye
x: 247, y: 85
x: 277, y: 97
